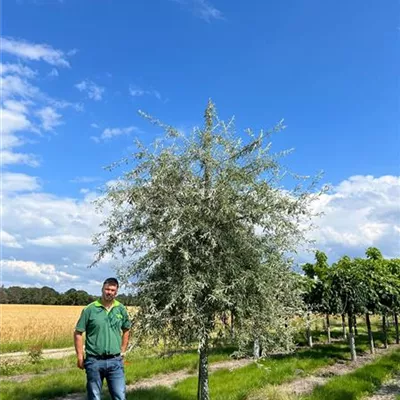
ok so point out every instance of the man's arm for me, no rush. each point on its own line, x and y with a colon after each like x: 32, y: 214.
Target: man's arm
x: 125, y: 340
x: 78, y: 342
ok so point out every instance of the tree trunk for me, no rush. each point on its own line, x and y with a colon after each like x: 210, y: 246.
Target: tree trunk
x: 232, y: 326
x: 256, y: 349
x: 328, y: 328
x: 370, y: 336
x: 351, y: 339
x: 202, y: 385
x: 384, y: 329
x: 309, y: 335
x: 344, y: 327
x: 396, y: 325
x: 355, y: 325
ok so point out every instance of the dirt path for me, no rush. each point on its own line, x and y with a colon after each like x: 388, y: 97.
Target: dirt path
x: 389, y: 391
x: 47, y: 353
x: 169, y: 379
x: 321, y: 376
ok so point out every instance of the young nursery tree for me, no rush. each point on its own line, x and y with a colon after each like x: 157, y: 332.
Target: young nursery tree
x: 319, y: 297
x: 350, y: 294
x: 200, y: 222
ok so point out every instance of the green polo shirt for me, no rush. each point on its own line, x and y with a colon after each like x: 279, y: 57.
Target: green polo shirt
x: 103, y: 328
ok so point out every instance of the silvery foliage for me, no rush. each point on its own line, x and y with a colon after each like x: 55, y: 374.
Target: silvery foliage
x: 203, y: 227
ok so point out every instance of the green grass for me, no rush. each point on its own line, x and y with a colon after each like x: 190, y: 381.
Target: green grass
x: 239, y: 383
x: 136, y: 369
x: 73, y: 380
x: 319, y: 336
x: 11, y: 368
x: 59, y: 343
x: 223, y: 384
x: 355, y: 385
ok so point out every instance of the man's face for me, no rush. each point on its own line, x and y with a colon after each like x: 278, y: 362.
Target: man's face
x: 109, y: 292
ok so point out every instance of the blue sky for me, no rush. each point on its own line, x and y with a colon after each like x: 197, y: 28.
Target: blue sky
x: 74, y: 74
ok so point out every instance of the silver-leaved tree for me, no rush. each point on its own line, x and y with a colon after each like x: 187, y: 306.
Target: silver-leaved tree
x: 203, y: 228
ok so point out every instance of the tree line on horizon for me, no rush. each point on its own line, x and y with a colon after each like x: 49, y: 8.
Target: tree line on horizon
x: 49, y: 296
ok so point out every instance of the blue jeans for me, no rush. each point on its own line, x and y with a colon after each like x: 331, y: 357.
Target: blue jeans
x: 112, y: 370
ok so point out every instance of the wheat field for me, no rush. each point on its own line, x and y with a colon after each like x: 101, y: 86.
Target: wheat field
x: 22, y: 326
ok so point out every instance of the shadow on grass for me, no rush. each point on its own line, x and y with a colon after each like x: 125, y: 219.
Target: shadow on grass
x: 229, y: 349
x: 43, y: 394
x: 363, y: 381
x: 317, y: 352
x: 157, y: 393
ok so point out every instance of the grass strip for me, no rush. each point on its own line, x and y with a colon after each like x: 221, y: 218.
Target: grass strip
x: 74, y: 380
x: 238, y: 383
x: 26, y: 345
x: 363, y: 381
x: 10, y: 368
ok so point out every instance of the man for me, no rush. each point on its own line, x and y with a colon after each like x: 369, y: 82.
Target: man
x: 106, y: 324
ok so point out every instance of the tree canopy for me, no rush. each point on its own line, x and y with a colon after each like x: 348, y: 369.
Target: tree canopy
x: 203, y: 226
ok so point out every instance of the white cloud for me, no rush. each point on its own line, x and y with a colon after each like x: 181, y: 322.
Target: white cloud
x: 93, y: 91
x: 95, y: 126
x: 13, y: 182
x: 54, y: 73
x: 16, y: 106
x: 9, y: 158
x: 72, y: 52
x: 52, y: 230
x: 206, y: 10
x: 109, y: 133
x: 157, y: 94
x: 85, y: 179
x: 13, y: 121
x: 361, y: 211
x: 135, y: 91
x: 49, y: 118
x: 18, y: 69
x: 60, y: 241
x: 8, y: 240
x: 202, y: 9
x: 15, y: 86
x: 41, y: 271
x: 61, y: 104
x: 95, y: 139
x: 34, y: 52
x: 25, y: 108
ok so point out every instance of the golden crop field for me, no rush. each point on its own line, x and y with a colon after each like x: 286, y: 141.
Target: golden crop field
x: 37, y: 324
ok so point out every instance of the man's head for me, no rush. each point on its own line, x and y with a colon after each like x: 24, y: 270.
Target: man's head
x: 110, y: 289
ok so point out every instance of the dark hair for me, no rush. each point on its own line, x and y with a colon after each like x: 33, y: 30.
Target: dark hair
x: 111, y: 281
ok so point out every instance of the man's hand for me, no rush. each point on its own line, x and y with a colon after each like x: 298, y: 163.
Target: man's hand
x: 80, y: 363
x: 78, y: 342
